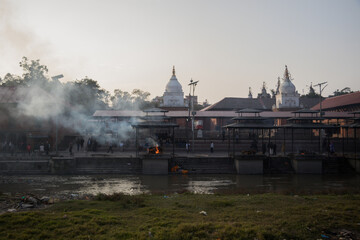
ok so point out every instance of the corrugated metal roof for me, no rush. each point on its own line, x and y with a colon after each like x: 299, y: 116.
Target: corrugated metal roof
x: 214, y: 114
x: 118, y: 113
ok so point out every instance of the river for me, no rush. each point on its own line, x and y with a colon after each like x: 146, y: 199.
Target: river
x: 205, y: 184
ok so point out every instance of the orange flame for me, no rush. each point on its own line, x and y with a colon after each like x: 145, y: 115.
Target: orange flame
x: 157, y: 150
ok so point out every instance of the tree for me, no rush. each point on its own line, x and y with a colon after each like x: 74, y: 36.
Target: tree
x: 121, y: 100
x: 343, y: 91
x: 86, y: 95
x: 138, y: 99
x: 312, y: 93
x: 11, y: 80
x: 34, y: 72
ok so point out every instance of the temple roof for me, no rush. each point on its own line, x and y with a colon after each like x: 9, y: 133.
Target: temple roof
x: 173, y: 86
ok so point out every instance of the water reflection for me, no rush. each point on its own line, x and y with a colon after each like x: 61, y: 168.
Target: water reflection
x: 206, y: 184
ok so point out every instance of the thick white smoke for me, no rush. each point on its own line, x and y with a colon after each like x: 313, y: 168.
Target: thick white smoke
x: 52, y: 104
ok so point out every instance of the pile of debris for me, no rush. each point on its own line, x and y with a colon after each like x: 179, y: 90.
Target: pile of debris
x: 25, y: 202
x: 341, y: 234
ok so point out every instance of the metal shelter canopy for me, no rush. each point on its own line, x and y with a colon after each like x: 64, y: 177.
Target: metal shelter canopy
x: 299, y: 121
x: 356, y: 119
x: 248, y: 110
x: 157, y: 115
x: 252, y: 121
x: 155, y: 110
x: 153, y: 122
x: 355, y: 125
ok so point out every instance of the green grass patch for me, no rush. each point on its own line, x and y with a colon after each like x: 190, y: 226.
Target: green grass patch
x: 234, y: 216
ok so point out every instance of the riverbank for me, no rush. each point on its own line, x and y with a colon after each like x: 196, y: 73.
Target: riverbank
x: 150, y: 164
x: 190, y: 216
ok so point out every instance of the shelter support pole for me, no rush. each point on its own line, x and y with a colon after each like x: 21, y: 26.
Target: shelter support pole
x: 234, y: 142
x: 355, y: 148
x: 269, y: 142
x: 292, y: 140
x: 228, y: 130
x: 136, y: 142
x: 56, y: 136
x: 284, y: 142
x: 320, y: 143
x: 343, y: 145
x: 173, y: 139
x: 275, y: 132
x: 328, y: 142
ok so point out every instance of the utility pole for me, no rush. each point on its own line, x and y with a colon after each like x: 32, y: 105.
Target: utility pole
x: 192, y: 85
x: 321, y: 89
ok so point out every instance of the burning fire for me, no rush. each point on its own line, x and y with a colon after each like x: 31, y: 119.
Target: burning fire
x: 154, y: 150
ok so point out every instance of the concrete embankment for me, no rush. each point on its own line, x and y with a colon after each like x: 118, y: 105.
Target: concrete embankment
x: 117, y: 165
x: 163, y: 164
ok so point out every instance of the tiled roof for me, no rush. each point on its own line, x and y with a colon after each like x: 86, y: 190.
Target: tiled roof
x: 265, y: 104
x: 231, y: 104
x: 308, y: 102
x: 339, y: 101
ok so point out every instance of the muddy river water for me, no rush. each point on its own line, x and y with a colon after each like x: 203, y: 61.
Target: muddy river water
x: 207, y: 184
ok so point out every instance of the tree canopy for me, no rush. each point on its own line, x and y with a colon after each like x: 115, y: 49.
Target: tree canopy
x: 85, y: 95
x: 343, y: 91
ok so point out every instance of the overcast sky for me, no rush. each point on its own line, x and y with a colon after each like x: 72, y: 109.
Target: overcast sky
x: 228, y: 46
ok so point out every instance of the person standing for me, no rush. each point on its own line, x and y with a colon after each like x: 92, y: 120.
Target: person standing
x: 47, y: 148
x: 78, y: 144
x: 82, y: 143
x: 270, y: 147
x: 28, y: 148
x: 263, y: 148
x: 274, y: 148
x: 212, y: 147
x: 187, y: 146
x: 332, y: 148
x: 70, y: 148
x: 110, y: 149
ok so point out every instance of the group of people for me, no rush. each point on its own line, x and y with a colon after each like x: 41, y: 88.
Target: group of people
x: 328, y: 146
x: 7, y: 147
x: 10, y: 147
x: 271, y: 148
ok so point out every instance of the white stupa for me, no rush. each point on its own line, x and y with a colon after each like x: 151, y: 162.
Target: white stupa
x: 173, y: 95
x: 287, y: 97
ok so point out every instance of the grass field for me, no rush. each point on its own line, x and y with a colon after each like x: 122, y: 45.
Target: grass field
x: 230, y: 216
